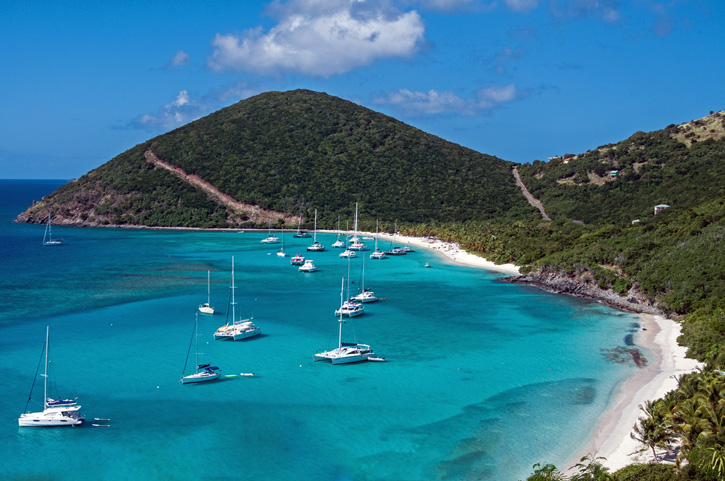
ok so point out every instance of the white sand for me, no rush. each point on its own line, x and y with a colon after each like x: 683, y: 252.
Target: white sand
x: 452, y: 252
x: 611, y: 439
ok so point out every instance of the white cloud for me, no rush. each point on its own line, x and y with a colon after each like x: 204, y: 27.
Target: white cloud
x: 522, y: 5
x: 180, y: 59
x: 492, y: 96
x: 320, y: 38
x: 607, y: 10
x: 185, y: 109
x: 434, y: 102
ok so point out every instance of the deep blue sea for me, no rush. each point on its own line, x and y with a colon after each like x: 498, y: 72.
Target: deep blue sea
x: 483, y: 378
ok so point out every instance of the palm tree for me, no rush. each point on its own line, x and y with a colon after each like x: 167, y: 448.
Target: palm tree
x: 591, y: 469
x: 652, y: 430
x: 687, y: 426
x: 547, y: 472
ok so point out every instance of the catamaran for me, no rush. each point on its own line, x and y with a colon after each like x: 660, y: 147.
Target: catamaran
x: 378, y: 254
x: 316, y: 246
x: 239, y: 328
x: 338, y: 244
x: 345, y: 352
x: 270, y: 239
x: 56, y: 412
x: 366, y: 295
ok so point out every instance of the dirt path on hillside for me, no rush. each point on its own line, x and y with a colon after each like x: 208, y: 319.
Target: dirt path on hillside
x: 255, y: 213
x: 532, y: 200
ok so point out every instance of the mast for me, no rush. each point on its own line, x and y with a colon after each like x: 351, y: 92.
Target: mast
x: 233, y: 287
x: 342, y: 291
x: 45, y: 376
x: 196, y: 329
x: 338, y: 227
x: 208, y: 287
x: 376, y: 234
x: 314, y: 241
x: 355, y: 220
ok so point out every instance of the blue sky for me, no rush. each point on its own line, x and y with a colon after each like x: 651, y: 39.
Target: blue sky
x: 84, y: 81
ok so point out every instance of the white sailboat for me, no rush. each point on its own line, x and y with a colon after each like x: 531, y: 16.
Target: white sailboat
x: 239, y: 328
x: 299, y: 234
x: 281, y: 252
x: 48, y: 236
x: 395, y: 251
x: 63, y: 412
x: 270, y: 239
x: 378, y: 254
x: 344, y: 353
x: 207, y: 308
x: 316, y: 246
x: 350, y: 307
x: 338, y: 244
x: 357, y: 244
x: 203, y: 372
x: 366, y: 295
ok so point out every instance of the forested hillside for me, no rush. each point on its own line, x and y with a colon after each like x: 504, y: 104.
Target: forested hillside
x: 291, y: 153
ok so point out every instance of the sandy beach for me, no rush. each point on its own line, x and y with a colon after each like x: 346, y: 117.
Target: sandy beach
x: 611, y: 438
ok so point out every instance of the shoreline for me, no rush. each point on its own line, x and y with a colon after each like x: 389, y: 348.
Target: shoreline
x: 611, y: 436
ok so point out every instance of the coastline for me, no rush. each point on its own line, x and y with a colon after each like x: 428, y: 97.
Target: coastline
x: 452, y: 252
x: 611, y: 437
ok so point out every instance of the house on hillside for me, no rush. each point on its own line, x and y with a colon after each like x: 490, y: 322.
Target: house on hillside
x: 660, y: 207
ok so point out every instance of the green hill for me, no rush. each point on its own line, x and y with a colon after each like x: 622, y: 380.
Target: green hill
x: 280, y: 154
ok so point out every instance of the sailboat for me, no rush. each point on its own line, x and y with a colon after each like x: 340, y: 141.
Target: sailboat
x: 239, y: 329
x: 316, y: 246
x: 350, y: 307
x: 63, y: 412
x: 378, y: 254
x: 356, y: 245
x: 203, y: 372
x: 281, y: 252
x: 48, y: 236
x: 270, y: 239
x: 395, y: 251
x: 345, y: 352
x: 207, y: 308
x: 338, y: 244
x: 299, y: 234
x: 366, y: 295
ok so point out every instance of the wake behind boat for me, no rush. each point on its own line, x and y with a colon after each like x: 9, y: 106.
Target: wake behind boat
x: 56, y: 412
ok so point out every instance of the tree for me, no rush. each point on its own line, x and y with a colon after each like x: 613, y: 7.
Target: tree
x: 652, y: 430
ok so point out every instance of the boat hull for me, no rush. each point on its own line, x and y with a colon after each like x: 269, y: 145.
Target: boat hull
x: 200, y: 377
x: 206, y: 309
x: 52, y: 417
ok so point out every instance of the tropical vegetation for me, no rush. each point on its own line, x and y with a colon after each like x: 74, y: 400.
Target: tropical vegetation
x: 289, y: 153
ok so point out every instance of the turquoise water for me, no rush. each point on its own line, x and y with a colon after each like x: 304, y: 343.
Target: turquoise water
x: 484, y: 379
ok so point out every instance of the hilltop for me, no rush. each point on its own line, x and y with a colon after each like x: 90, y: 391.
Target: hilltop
x: 282, y: 155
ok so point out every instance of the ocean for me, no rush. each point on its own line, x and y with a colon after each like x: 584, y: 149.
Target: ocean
x: 483, y: 379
